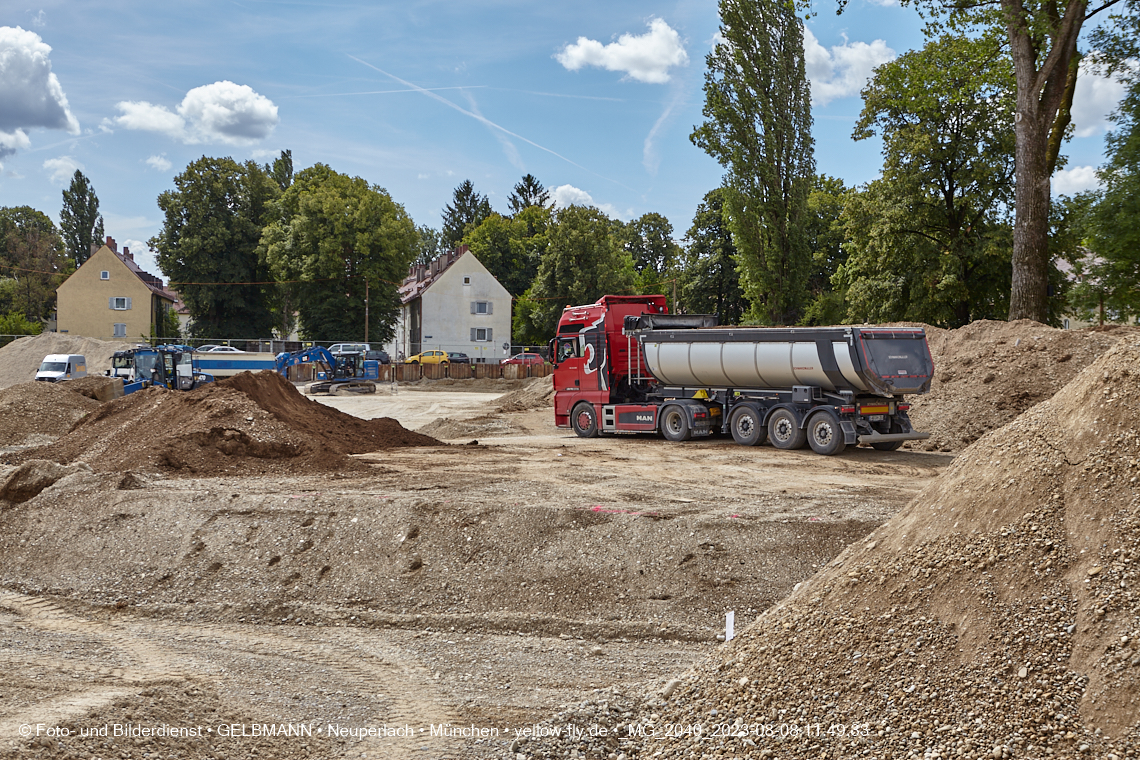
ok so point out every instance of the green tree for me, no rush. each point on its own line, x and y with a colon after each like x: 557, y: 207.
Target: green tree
x: 1041, y: 42
x: 1108, y: 285
x: 930, y: 240
x: 208, y: 247
x: 15, y: 323
x: 281, y: 170
x: 31, y: 255
x: 528, y: 192
x: 583, y: 262
x: 334, y: 233
x: 466, y: 211
x: 758, y: 126
x: 825, y: 240
x: 429, y: 245
x: 511, y: 248
x: 80, y: 222
x: 710, y: 282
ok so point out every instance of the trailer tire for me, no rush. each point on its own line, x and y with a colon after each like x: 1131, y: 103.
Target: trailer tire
x: 824, y: 434
x: 784, y: 430
x: 747, y: 426
x: 584, y: 420
x: 675, y: 424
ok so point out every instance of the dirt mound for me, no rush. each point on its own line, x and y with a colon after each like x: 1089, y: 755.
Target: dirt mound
x: 996, y: 616
x: 249, y: 424
x: 537, y: 393
x: 446, y: 428
x: 37, y: 409
x: 32, y: 477
x: 988, y: 372
x: 20, y: 359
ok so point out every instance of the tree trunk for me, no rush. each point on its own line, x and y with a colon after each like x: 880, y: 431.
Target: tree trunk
x: 1029, y: 294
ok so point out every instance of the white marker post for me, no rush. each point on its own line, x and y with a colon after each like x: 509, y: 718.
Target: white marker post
x: 729, y: 626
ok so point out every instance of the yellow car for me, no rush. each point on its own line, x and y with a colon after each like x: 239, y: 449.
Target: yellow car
x: 428, y: 357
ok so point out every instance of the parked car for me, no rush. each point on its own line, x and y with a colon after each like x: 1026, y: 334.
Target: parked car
x: 221, y: 350
x: 379, y: 356
x: 350, y: 348
x: 524, y: 359
x: 206, y: 348
x: 428, y: 357
x: 458, y: 357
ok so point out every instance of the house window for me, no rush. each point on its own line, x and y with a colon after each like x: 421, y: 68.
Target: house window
x: 467, y: 279
x: 481, y: 334
x: 482, y: 307
x: 120, y: 330
x: 104, y: 275
x: 1066, y: 324
x: 119, y: 304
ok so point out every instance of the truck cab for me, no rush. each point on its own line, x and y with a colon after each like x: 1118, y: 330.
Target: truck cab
x: 593, y: 361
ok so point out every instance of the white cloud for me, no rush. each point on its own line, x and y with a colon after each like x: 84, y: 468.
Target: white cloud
x: 1075, y: 180
x: 1096, y: 97
x: 219, y: 112
x: 844, y: 70
x: 38, y: 20
x: 647, y: 58
x: 568, y: 195
x: 30, y: 93
x: 159, y: 162
x: 62, y: 169
x: 10, y: 142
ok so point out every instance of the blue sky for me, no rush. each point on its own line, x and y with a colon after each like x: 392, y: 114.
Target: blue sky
x: 596, y: 99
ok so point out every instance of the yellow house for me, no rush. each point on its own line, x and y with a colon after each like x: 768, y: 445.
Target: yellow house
x: 111, y: 297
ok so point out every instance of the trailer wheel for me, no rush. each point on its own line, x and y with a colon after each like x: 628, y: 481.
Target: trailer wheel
x: 825, y: 435
x: 784, y: 431
x: 584, y: 420
x: 747, y: 427
x: 675, y: 425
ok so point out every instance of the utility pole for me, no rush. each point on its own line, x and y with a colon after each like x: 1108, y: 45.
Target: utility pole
x: 365, y: 309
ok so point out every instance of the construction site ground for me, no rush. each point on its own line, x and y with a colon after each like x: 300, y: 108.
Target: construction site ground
x: 239, y: 572
x: 477, y: 584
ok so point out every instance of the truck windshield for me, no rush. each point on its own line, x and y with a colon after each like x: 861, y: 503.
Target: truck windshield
x: 145, y: 364
x: 121, y: 362
x: 53, y: 367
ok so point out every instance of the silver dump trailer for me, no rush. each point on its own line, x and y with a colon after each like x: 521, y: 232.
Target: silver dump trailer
x: 883, y: 361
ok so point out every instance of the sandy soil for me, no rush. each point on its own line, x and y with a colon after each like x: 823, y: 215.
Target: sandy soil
x: 479, y: 585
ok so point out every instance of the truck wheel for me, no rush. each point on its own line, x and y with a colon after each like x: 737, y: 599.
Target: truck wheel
x: 584, y: 420
x: 746, y: 427
x: 675, y: 425
x: 784, y: 432
x: 825, y: 435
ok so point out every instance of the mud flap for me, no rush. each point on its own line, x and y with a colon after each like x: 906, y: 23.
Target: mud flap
x: 849, y: 434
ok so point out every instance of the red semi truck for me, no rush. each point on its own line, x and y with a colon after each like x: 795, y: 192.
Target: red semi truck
x: 624, y: 365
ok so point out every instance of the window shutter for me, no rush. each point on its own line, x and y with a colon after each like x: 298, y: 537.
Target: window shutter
x: 474, y: 305
x: 489, y: 334
x: 111, y: 303
x: 490, y: 307
x: 473, y: 334
x: 128, y: 303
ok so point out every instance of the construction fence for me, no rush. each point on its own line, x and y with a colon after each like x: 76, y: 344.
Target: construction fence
x: 410, y: 373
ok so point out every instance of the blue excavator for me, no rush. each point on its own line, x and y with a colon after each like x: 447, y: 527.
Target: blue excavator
x: 336, y: 374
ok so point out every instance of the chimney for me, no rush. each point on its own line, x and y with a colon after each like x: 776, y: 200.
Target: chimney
x: 112, y: 244
x: 127, y: 254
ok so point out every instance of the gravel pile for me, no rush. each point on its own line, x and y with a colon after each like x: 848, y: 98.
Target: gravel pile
x: 996, y: 616
x: 20, y: 359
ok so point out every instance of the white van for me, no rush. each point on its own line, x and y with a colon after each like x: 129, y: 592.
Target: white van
x: 58, y: 367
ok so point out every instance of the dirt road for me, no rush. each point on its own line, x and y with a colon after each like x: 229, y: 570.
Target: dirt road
x: 480, y: 586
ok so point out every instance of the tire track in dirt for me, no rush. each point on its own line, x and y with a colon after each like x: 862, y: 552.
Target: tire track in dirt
x: 163, y: 652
